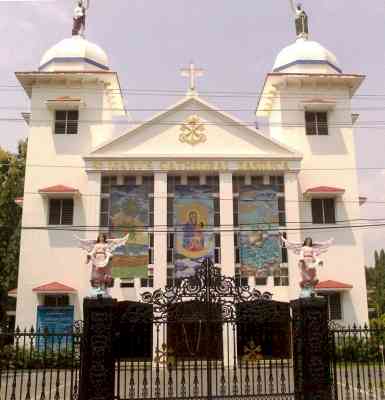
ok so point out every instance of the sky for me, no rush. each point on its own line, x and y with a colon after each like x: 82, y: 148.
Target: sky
x: 236, y: 42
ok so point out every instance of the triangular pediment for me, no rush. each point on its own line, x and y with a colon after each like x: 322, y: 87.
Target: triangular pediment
x: 194, y: 128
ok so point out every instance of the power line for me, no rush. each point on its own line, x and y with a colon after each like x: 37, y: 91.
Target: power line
x: 125, y: 229
x: 220, y: 198
x: 360, y: 125
x: 182, y: 92
x: 351, y: 109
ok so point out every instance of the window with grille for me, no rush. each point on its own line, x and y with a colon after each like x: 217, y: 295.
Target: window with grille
x: 56, y: 300
x: 323, y: 211
x: 147, y: 282
x: 241, y: 280
x: 61, y: 212
x: 281, y: 276
x: 260, y: 281
x: 127, y: 283
x: 66, y: 122
x: 334, y: 305
x: 316, y: 123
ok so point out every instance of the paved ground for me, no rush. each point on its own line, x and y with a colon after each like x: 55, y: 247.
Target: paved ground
x: 140, y: 382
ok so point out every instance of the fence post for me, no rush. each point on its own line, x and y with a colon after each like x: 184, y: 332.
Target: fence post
x: 97, y: 365
x: 312, y: 375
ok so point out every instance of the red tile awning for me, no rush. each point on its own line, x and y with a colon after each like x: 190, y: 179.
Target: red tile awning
x: 333, y: 286
x: 59, y: 190
x: 54, y: 287
x: 326, y: 191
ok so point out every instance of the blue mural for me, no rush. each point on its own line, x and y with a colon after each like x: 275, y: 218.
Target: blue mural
x: 260, y: 250
x: 194, y: 221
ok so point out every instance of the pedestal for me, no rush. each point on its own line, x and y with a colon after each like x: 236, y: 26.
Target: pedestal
x: 312, y: 374
x: 97, y: 363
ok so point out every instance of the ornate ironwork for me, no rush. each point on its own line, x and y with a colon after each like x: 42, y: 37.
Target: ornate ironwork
x: 206, y: 286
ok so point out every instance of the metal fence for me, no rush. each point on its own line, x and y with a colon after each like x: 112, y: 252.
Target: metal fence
x: 201, y: 359
x: 358, y: 366
x: 39, y: 365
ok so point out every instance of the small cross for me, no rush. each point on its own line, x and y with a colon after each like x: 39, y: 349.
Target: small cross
x: 192, y: 73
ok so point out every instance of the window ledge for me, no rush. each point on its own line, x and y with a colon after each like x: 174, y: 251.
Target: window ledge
x: 65, y: 103
x: 319, y: 104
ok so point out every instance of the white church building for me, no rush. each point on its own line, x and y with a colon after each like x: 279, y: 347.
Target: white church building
x: 75, y: 158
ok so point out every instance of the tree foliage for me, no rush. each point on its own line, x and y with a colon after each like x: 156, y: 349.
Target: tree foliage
x: 12, y: 171
x: 375, y: 282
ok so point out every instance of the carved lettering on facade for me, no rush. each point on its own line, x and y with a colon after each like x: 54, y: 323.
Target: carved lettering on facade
x: 189, y: 165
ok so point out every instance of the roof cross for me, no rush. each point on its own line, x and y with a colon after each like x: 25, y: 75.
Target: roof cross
x: 192, y: 72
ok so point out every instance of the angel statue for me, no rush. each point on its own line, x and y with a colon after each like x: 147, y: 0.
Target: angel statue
x: 99, y: 253
x: 301, y: 20
x: 79, y: 24
x: 309, y: 253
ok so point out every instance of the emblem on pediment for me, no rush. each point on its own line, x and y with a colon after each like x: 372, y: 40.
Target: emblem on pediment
x: 193, y: 131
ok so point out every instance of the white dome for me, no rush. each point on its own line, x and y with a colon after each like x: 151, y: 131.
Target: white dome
x: 74, y: 54
x: 306, y: 56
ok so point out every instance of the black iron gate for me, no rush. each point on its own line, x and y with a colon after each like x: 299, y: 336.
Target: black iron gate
x: 205, y: 338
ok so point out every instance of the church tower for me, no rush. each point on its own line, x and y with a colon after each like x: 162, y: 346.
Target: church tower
x: 74, y: 97
x: 307, y: 102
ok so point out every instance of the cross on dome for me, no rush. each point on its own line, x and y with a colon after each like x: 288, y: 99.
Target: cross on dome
x: 192, y: 72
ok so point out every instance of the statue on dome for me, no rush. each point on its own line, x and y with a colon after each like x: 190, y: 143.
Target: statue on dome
x: 309, y: 260
x: 79, y: 20
x: 301, y: 20
x: 99, y: 253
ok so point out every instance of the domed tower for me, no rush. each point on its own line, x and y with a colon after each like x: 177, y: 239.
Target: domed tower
x: 306, y: 56
x: 74, y: 97
x: 74, y: 54
x: 307, y: 102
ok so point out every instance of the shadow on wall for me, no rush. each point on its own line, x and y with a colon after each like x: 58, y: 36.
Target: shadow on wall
x: 63, y: 236
x: 331, y: 144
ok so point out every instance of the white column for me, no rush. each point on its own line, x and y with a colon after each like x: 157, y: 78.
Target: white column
x: 227, y: 254
x: 293, y: 214
x: 88, y: 207
x: 227, y: 220
x: 160, y: 228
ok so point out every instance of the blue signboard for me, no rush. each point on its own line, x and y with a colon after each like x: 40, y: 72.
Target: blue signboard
x: 54, y: 321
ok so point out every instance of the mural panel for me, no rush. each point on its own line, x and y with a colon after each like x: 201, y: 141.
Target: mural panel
x: 260, y: 250
x: 130, y: 214
x: 194, y: 221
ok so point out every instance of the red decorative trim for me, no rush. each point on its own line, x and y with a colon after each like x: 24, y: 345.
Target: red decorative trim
x: 54, y: 287
x: 333, y: 285
x: 325, y: 189
x: 59, y: 189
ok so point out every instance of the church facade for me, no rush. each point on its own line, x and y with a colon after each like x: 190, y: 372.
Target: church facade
x: 76, y: 165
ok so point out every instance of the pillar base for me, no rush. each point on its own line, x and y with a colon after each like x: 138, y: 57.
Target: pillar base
x: 97, y: 364
x: 312, y: 373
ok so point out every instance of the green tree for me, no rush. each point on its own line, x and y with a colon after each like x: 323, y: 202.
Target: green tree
x: 12, y: 171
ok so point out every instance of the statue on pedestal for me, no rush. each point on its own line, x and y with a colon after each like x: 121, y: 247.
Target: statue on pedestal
x: 301, y: 20
x: 309, y: 253
x: 79, y: 20
x: 99, y: 254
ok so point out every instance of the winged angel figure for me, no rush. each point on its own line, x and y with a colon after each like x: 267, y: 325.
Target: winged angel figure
x: 99, y: 254
x: 309, y: 260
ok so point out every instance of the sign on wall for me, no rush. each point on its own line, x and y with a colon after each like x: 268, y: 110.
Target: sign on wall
x: 260, y: 250
x: 54, y: 320
x: 129, y: 213
x: 194, y: 222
